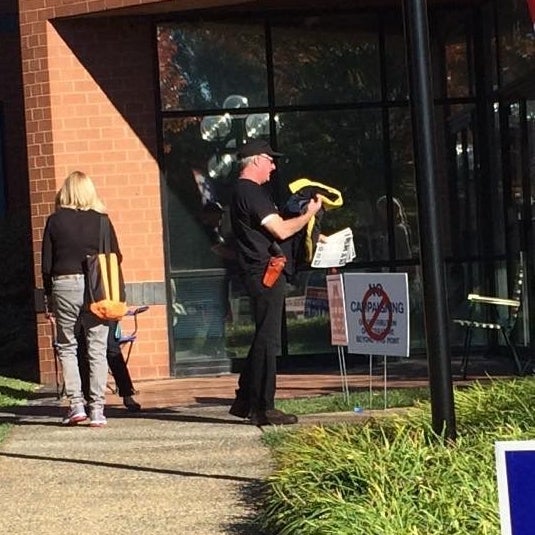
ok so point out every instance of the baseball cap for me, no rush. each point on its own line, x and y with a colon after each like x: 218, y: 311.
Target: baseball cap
x: 255, y: 147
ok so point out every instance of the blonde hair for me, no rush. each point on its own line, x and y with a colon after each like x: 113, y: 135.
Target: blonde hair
x: 79, y: 193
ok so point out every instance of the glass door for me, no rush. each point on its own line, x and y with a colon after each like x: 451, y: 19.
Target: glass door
x: 464, y: 269
x: 518, y: 141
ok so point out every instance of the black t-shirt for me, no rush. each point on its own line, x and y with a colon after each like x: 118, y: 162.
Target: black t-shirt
x: 70, y: 235
x: 250, y: 204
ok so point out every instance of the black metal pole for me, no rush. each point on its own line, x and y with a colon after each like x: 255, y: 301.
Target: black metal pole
x: 431, y: 253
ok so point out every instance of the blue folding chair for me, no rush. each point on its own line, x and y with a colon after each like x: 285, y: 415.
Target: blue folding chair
x: 124, y: 339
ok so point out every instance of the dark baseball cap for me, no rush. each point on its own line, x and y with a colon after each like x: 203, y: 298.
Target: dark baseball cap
x: 255, y: 147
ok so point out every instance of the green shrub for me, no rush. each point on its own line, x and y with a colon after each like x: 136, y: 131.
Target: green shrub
x: 394, y: 476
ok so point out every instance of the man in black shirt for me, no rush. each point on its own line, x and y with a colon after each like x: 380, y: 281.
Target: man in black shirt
x: 257, y: 226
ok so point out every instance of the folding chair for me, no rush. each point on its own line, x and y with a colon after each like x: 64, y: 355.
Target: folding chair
x: 481, y: 308
x: 129, y: 339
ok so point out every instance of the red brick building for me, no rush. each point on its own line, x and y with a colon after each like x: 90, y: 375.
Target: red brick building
x: 89, y: 105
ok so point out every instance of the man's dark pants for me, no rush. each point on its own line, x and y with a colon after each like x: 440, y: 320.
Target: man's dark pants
x: 257, y: 383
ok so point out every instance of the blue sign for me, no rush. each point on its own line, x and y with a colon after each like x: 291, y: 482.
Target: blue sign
x: 515, y: 467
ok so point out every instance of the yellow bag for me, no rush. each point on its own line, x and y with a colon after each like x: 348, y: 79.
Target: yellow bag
x: 105, y: 291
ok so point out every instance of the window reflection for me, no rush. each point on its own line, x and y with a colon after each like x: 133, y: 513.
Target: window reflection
x: 331, y: 59
x: 340, y: 148
x: 404, y: 184
x: 214, y: 92
x: 3, y: 202
x: 189, y: 190
x: 516, y: 40
x: 453, y: 31
x: 395, y: 67
x: 202, y: 64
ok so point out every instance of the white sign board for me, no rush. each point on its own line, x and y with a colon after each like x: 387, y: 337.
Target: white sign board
x: 377, y: 311
x: 335, y: 251
x: 337, y: 309
x: 515, y: 470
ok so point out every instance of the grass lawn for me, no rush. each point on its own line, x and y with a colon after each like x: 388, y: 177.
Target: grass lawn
x: 13, y: 392
x: 396, y: 397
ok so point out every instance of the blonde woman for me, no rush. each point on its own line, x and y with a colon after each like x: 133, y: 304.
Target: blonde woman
x: 71, y: 233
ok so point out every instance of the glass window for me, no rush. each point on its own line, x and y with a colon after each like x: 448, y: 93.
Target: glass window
x: 203, y: 65
x: 498, y: 221
x: 397, y: 81
x: 463, y: 215
x: 210, y: 308
x: 327, y: 62
x: 307, y: 312
x: 333, y: 59
x: 189, y: 190
x: 516, y: 43
x: 405, y: 201
x: 463, y: 278
x: 452, y: 29
x: 518, y: 162
x: 200, y: 310
x: 489, y: 35
x: 3, y: 200
x: 342, y: 149
x: 466, y: 190
x: 416, y: 305
x: 530, y: 115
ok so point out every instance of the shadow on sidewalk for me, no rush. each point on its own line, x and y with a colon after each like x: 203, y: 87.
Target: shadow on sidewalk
x: 120, y: 466
x: 51, y: 415
x: 252, y: 494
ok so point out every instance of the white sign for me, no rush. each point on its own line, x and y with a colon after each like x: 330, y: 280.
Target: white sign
x: 515, y: 470
x: 337, y: 250
x: 295, y: 305
x: 337, y: 309
x: 377, y: 311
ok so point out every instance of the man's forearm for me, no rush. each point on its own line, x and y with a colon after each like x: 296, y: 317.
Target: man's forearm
x: 284, y: 228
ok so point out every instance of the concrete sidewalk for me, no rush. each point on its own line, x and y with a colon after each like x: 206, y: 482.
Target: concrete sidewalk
x: 179, y: 471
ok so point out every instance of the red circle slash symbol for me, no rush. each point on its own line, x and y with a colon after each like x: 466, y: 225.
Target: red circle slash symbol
x: 378, y: 332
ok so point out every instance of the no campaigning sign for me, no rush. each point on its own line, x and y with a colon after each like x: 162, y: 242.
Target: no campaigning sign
x: 377, y: 311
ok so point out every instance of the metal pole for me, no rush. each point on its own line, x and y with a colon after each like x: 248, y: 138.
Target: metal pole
x: 434, y: 287
x: 385, y: 404
x: 370, y: 401
x: 343, y: 372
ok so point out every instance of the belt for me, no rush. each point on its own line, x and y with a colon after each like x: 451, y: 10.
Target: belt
x: 62, y: 277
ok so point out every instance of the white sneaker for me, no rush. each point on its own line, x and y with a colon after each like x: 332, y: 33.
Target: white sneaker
x: 96, y: 417
x: 75, y: 415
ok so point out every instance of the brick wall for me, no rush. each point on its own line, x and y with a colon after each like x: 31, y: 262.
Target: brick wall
x: 89, y: 95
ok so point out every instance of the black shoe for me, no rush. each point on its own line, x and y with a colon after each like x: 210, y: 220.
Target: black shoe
x: 240, y: 408
x: 273, y: 417
x: 131, y: 404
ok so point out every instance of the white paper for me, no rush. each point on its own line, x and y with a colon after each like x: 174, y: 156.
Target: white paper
x: 336, y: 251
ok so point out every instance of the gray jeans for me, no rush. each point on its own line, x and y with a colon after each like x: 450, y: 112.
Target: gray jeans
x: 68, y: 303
